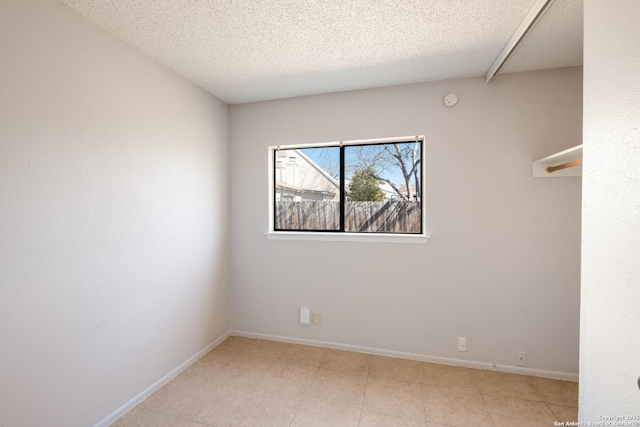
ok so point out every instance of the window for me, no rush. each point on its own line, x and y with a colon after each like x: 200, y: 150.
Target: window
x: 365, y: 187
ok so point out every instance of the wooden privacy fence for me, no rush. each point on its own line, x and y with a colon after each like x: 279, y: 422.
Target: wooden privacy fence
x: 385, y: 217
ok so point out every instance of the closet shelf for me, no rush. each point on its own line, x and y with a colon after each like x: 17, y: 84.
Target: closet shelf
x: 564, y: 163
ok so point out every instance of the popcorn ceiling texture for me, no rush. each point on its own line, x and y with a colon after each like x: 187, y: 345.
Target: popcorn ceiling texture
x: 247, y: 50
x: 555, y: 41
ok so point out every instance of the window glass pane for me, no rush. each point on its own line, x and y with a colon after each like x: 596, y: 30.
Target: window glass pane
x: 307, y: 189
x: 384, y: 188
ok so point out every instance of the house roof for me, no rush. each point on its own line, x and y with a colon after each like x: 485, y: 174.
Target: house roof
x: 246, y: 50
x: 403, y: 189
x: 324, y: 173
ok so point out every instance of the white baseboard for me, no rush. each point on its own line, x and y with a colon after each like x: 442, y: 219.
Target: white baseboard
x: 158, y: 384
x: 414, y: 356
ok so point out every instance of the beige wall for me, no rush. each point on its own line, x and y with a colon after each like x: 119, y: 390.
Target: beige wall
x: 610, y: 327
x: 113, y: 219
x: 114, y: 228
x: 503, y: 266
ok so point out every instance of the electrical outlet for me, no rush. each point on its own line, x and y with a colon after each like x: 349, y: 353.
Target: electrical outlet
x: 462, y: 344
x: 316, y: 318
x: 521, y: 358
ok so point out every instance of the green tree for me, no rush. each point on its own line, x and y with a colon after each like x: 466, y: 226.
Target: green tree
x: 364, y: 187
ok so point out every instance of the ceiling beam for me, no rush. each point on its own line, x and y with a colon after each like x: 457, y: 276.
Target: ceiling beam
x: 532, y: 18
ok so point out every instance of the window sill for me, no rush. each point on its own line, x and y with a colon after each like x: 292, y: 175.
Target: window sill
x: 349, y: 237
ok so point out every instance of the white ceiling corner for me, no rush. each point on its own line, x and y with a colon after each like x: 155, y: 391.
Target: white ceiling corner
x: 247, y: 50
x: 555, y: 41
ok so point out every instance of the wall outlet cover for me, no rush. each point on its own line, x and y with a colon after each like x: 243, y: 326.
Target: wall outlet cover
x: 305, y: 316
x: 316, y: 318
x: 521, y: 358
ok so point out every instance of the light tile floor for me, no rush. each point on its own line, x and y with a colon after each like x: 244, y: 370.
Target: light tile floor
x: 250, y: 382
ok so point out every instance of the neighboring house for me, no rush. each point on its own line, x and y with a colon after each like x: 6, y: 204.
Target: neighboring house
x: 414, y: 196
x: 298, y: 178
x: 390, y: 194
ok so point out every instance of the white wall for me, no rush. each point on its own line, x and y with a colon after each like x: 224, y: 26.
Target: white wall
x: 113, y: 218
x: 503, y: 266
x: 610, y: 327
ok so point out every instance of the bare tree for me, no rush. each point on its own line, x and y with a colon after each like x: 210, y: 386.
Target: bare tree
x: 329, y: 161
x: 386, y: 159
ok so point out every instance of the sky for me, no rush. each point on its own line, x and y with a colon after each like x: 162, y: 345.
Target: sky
x: 328, y: 158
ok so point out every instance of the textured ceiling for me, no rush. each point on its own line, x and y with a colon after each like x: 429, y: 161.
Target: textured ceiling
x: 251, y: 50
x: 555, y: 41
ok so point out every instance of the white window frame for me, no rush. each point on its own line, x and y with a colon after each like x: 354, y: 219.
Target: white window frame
x: 271, y: 234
